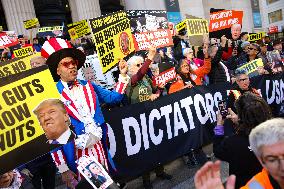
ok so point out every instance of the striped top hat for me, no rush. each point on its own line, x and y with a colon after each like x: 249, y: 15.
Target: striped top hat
x: 55, y: 49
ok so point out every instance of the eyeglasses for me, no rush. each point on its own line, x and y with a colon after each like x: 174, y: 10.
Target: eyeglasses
x: 139, y: 65
x: 250, y: 48
x: 68, y: 63
x: 272, y: 161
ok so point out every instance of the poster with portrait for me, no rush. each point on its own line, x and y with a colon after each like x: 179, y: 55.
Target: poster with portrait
x: 52, y: 31
x: 150, y: 27
x: 94, y: 173
x: 20, y: 131
x: 112, y: 38
x: 225, y: 22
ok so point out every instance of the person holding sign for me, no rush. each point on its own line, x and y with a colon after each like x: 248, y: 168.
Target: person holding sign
x: 82, y: 101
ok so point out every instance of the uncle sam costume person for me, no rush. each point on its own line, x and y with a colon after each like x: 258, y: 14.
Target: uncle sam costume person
x: 82, y: 102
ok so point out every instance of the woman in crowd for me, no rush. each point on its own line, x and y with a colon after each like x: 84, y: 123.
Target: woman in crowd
x: 140, y: 89
x: 188, y: 75
x: 252, y: 110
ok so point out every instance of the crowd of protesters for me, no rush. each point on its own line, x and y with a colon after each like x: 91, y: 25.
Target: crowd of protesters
x: 212, y: 63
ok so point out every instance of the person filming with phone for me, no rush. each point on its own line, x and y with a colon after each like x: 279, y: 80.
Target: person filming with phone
x: 251, y: 110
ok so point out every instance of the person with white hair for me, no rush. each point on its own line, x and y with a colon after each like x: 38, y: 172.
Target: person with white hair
x: 140, y: 89
x: 267, y: 143
x: 236, y: 30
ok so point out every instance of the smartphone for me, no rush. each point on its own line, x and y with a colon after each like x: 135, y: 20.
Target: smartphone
x: 222, y: 106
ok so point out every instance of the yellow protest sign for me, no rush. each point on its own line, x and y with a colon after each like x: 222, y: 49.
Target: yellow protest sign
x: 32, y: 23
x: 23, y: 51
x: 78, y: 29
x: 112, y: 37
x: 20, y: 131
x: 180, y: 26
x: 197, y: 27
x: 256, y: 36
x: 16, y: 65
x: 251, y: 67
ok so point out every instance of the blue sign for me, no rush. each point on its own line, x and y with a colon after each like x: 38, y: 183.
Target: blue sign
x: 174, y: 17
x: 257, y: 20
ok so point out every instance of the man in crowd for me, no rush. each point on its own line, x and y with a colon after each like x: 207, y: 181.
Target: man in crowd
x: 55, y: 121
x: 266, y: 141
x: 82, y: 101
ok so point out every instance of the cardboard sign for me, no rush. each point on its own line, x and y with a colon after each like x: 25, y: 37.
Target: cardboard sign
x: 7, y: 41
x: 197, y: 27
x: 32, y: 23
x: 150, y: 27
x: 181, y: 26
x: 165, y: 76
x: 20, y: 131
x: 112, y: 38
x: 159, y: 38
x: 225, y: 19
x: 251, y: 67
x: 50, y: 31
x: 78, y: 29
x: 16, y: 65
x: 23, y: 51
x: 256, y: 36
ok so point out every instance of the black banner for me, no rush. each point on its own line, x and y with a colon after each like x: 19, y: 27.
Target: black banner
x: 145, y: 134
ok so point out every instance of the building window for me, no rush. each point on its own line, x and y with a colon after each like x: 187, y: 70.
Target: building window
x: 275, y: 16
x: 271, y: 1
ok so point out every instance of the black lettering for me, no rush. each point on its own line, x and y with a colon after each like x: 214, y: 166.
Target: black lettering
x: 11, y: 137
x: 19, y: 93
x: 2, y: 127
x: 2, y: 142
x: 8, y: 118
x: 21, y: 132
x: 108, y: 59
x: 21, y: 112
x: 30, y: 128
x: 8, y: 98
x: 39, y: 87
x: 101, y: 50
x: 16, y: 68
x: 27, y: 86
x: 110, y: 45
x: 99, y: 38
x: 22, y: 65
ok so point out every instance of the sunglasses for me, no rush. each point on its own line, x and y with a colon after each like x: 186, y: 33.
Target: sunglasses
x: 71, y: 62
x: 250, y: 48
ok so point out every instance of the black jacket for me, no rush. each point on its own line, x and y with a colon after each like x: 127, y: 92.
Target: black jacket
x: 217, y: 73
x: 242, y: 161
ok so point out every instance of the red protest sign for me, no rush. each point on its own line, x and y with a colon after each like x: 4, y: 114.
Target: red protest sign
x: 273, y: 29
x: 165, y: 76
x: 158, y: 38
x: 224, y: 19
x: 6, y: 41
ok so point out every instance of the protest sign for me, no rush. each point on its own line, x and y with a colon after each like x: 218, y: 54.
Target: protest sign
x: 197, y: 27
x: 181, y: 26
x: 32, y: 23
x: 20, y: 131
x: 141, y: 135
x: 253, y: 37
x: 150, y: 27
x: 52, y: 31
x: 16, y: 65
x: 23, y: 51
x: 7, y: 40
x: 251, y: 67
x: 222, y: 20
x: 94, y: 172
x: 165, y: 77
x: 112, y: 38
x: 78, y: 29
